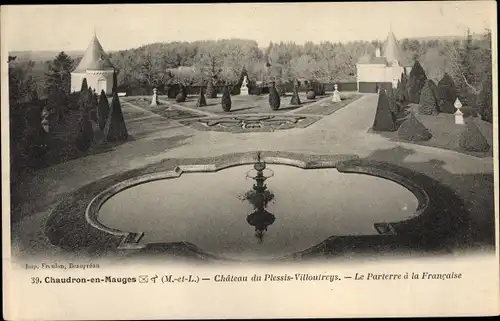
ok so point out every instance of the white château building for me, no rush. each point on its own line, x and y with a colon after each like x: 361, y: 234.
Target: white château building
x: 383, y: 69
x: 95, y: 67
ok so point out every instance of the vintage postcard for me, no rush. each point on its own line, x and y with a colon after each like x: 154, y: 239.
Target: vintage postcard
x: 250, y: 160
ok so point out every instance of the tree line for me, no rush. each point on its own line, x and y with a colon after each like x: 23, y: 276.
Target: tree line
x: 222, y: 61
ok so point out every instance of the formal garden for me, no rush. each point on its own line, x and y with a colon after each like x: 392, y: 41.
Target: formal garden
x: 420, y: 111
x: 72, y: 146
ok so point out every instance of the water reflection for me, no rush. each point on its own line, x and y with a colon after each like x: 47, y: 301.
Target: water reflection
x: 259, y: 197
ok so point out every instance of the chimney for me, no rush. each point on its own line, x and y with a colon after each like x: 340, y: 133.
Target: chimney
x: 377, y: 52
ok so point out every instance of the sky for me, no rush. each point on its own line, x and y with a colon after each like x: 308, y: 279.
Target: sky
x: 70, y: 27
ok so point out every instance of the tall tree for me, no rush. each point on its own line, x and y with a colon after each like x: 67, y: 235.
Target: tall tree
x: 416, y: 82
x: 59, y: 74
x: 226, y: 99
x: 21, y: 82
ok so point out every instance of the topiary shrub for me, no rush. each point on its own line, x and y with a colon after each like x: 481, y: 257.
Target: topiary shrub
x: 83, y: 97
x: 428, y: 103
x: 201, y: 102
x: 85, y: 133
x: 115, y: 129
x: 226, y: 99
x: 180, y: 98
x: 211, y: 91
x: 446, y: 94
x: 413, y: 130
x: 402, y: 89
x: 102, y: 110
x: 385, y: 120
x: 274, y: 97
x: 295, y: 96
x: 311, y: 94
x: 472, y: 139
x: 416, y: 82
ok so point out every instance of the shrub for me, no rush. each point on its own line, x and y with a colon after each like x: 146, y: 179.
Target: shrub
x: 201, y: 98
x: 472, y: 139
x: 311, y: 94
x: 402, y: 89
x: 102, y: 110
x: 83, y: 96
x: 274, y: 97
x: 413, y: 130
x: 446, y: 94
x: 385, y: 120
x: 428, y: 103
x: 180, y: 98
x: 115, y: 129
x: 85, y: 133
x: 295, y: 96
x: 211, y: 91
x: 226, y: 99
x: 416, y: 82
x: 485, y: 101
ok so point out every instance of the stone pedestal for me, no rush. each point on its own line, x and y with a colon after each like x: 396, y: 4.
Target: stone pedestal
x: 459, y: 116
x: 336, y: 96
x: 244, y: 88
x: 154, y: 101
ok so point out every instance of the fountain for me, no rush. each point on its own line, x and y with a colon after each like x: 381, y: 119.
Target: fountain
x: 259, y: 197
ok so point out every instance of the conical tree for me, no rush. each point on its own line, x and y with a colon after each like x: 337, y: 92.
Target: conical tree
x: 403, y: 89
x: 211, y: 92
x: 472, y: 139
x: 94, y: 103
x: 83, y: 97
x: 34, y: 95
x: 84, y: 86
x: 115, y: 129
x: 85, y: 133
x: 485, y: 101
x: 201, y: 102
x: 102, y: 110
x: 295, y: 96
x: 385, y: 120
x: 413, y: 130
x: 447, y: 94
x: 428, y: 103
x: 416, y: 82
x: 274, y: 97
x: 226, y: 99
x: 115, y: 81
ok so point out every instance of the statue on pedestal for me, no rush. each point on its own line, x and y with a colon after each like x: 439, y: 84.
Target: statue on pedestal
x: 336, y: 96
x: 459, y: 116
x: 154, y: 101
x: 244, y: 88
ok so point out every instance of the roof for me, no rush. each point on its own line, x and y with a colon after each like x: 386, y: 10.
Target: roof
x: 392, y: 50
x: 94, y: 58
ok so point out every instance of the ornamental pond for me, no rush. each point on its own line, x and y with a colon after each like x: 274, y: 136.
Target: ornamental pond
x: 247, y: 212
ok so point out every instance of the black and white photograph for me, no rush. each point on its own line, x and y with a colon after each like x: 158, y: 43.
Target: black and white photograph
x: 240, y: 134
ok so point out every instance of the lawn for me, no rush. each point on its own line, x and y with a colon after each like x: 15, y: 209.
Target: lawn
x: 163, y: 109
x: 250, y: 104
x: 446, y: 134
x: 328, y: 107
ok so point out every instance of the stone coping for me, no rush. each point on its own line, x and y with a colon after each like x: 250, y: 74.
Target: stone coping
x: 429, y: 227
x: 131, y: 240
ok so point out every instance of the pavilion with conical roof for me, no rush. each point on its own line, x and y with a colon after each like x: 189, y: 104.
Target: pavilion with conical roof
x: 95, y: 67
x: 384, y: 68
